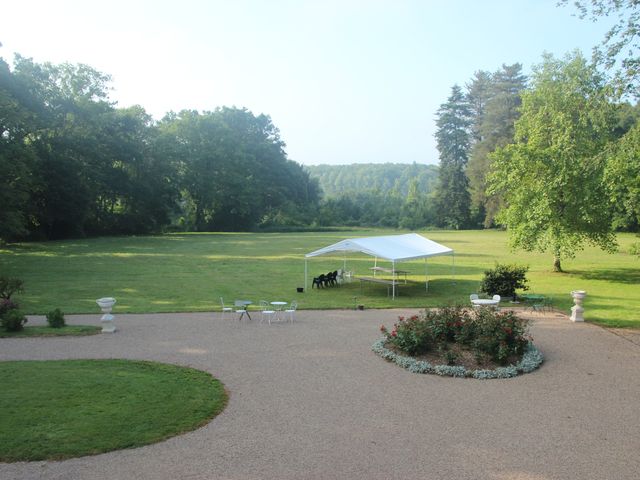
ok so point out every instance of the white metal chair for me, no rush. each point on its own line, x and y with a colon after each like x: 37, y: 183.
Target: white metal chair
x: 472, y: 297
x: 497, y: 298
x: 267, y: 311
x: 291, y: 310
x: 224, y: 309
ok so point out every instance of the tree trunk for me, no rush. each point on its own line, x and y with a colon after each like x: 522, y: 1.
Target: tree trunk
x: 556, y: 264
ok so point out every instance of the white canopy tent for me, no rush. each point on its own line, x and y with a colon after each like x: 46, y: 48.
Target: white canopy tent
x: 394, y: 248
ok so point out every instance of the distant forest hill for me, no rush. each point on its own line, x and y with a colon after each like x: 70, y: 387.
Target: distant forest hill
x: 383, y: 178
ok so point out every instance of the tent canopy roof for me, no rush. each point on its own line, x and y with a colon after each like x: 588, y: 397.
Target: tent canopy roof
x: 395, y: 248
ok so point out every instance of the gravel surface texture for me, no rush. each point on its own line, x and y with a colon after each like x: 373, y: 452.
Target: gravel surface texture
x: 310, y: 400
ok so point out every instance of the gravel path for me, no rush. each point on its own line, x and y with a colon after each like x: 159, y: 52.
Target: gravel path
x: 310, y: 400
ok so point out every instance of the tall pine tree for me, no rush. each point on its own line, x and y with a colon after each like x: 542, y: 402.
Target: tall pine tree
x: 493, y: 128
x: 453, y: 141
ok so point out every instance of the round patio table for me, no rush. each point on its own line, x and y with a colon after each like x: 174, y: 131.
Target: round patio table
x: 279, y: 305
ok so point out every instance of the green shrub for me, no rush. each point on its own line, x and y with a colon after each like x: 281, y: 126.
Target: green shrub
x: 55, y: 318
x: 504, y: 280
x: 634, y: 249
x: 13, y: 320
x: 450, y: 357
x: 9, y: 286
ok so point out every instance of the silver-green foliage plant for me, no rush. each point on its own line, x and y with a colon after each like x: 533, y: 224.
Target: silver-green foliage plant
x: 530, y: 361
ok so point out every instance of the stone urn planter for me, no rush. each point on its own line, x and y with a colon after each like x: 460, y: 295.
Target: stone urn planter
x: 577, y: 310
x: 106, y: 305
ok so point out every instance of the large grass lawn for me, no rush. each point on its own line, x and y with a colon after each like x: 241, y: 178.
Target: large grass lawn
x: 189, y: 272
x: 69, y: 408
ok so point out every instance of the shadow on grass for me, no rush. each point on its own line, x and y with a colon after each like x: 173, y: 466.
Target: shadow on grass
x: 619, y: 275
x: 443, y: 290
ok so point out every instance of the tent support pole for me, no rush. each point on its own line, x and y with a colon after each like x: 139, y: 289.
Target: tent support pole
x: 453, y: 266
x: 393, y: 280
x: 426, y: 274
x: 305, y: 275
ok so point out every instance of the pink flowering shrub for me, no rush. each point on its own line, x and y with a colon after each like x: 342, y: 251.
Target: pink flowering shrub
x: 410, y: 335
x: 488, y: 333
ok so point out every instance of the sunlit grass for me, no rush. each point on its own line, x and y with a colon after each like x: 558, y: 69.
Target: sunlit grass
x: 59, y: 409
x: 189, y: 272
x: 42, y: 331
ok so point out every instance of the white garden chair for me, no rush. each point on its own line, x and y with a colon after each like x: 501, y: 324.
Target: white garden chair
x: 291, y: 310
x: 224, y: 309
x: 497, y: 298
x: 266, y: 311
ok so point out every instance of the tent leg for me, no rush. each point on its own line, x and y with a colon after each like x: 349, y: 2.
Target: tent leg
x: 453, y: 267
x: 426, y: 275
x: 393, y: 284
x: 305, y: 275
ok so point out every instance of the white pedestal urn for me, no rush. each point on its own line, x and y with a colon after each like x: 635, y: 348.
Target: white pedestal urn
x: 577, y: 310
x: 106, y: 304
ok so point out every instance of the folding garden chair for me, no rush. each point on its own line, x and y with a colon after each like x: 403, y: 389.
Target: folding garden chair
x: 224, y: 309
x: 291, y: 310
x: 266, y: 311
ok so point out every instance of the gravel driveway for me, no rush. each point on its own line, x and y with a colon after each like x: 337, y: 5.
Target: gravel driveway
x: 310, y: 400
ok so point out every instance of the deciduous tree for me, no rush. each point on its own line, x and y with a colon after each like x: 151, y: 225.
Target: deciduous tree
x: 621, y: 44
x: 552, y: 177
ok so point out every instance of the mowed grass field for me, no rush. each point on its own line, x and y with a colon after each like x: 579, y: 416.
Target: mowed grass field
x: 189, y: 272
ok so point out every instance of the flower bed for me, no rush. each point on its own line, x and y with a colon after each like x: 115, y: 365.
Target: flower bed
x: 497, y: 339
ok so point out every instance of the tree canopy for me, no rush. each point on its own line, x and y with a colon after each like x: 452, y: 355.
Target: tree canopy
x: 552, y: 176
x: 621, y: 44
x: 72, y: 164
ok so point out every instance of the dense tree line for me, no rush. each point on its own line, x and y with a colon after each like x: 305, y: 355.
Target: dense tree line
x: 472, y: 123
x: 336, y: 180
x: 72, y: 164
x: 376, y: 195
x: 556, y: 160
x: 553, y: 158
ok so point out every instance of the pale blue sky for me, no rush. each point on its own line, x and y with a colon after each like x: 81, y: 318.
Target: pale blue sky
x: 344, y: 81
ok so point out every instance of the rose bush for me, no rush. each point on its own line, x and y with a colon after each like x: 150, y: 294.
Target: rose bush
x: 489, y: 334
